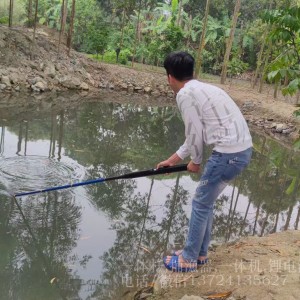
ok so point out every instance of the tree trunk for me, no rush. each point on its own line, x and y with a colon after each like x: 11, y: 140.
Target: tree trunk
x: 202, y: 41
x: 53, y: 136
x: 2, y: 139
x: 179, y: 14
x: 144, y: 221
x: 266, y: 61
x: 264, y: 224
x: 175, y: 200
x: 297, y: 219
x: 20, y: 138
x: 62, y: 16
x: 34, y: 29
x: 11, y: 10
x: 190, y: 26
x: 70, y: 34
x: 245, y: 217
x: 136, y: 33
x: 29, y: 16
x: 298, y: 97
x: 230, y: 41
x: 65, y: 17
x: 26, y: 138
x: 276, y: 90
x: 233, y: 213
x: 256, y: 218
x: 61, y: 133
x: 288, y: 218
x: 259, y: 61
x: 122, y: 29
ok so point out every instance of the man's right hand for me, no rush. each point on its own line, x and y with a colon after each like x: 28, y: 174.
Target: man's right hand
x: 171, y: 161
x: 165, y: 163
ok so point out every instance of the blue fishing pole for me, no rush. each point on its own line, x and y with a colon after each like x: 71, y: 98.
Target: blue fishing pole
x: 151, y: 172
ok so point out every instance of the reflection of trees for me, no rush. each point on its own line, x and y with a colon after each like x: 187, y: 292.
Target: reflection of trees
x: 271, y: 183
x: 120, y: 259
x: 273, y: 174
x: 112, y: 139
x: 2, y: 139
x: 175, y: 221
x: 140, y: 242
x: 130, y: 135
x: 225, y: 228
x: 133, y: 135
x: 38, y: 129
x: 7, y: 245
x: 297, y: 219
x: 46, y: 232
x: 125, y: 139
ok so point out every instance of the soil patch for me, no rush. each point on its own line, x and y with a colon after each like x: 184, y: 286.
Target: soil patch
x: 251, y: 268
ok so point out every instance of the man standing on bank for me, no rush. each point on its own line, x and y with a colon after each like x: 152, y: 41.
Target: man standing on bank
x: 210, y: 117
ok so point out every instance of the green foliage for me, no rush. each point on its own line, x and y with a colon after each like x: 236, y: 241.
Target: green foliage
x: 49, y: 13
x: 297, y: 113
x: 172, y: 38
x: 285, y: 67
x: 91, y: 29
x: 111, y: 56
x: 236, y: 67
x: 18, y: 11
x: 286, y: 21
x: 215, y: 40
x: 4, y: 20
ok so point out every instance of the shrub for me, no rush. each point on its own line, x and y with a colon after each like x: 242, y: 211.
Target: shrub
x: 4, y: 20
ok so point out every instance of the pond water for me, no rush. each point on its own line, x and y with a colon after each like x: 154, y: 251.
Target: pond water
x: 102, y: 241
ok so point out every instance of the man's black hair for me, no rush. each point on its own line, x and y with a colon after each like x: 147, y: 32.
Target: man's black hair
x: 180, y: 65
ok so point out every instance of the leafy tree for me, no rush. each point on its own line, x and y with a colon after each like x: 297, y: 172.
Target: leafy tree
x: 230, y: 40
x: 12, y: 12
x: 202, y: 42
x: 91, y: 30
x: 284, y: 66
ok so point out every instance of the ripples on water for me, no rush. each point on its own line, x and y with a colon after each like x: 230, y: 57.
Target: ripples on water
x: 29, y: 173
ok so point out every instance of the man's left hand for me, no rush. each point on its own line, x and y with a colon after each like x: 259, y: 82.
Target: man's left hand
x: 193, y: 168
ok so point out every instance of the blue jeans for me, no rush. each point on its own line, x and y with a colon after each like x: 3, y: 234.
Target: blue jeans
x: 219, y: 170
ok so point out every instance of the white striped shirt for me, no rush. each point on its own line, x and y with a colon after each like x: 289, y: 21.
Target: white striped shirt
x: 211, y: 117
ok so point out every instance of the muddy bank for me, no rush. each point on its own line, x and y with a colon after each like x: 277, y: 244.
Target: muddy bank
x: 250, y: 268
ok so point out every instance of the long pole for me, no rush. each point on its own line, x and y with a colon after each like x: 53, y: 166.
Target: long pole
x: 131, y: 175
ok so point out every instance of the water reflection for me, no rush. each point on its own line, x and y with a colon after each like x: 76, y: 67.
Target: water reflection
x: 105, y: 240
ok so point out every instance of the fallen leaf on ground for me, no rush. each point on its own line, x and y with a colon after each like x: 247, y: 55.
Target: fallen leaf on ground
x: 85, y: 238
x: 52, y: 280
x: 145, y: 249
x: 219, y: 295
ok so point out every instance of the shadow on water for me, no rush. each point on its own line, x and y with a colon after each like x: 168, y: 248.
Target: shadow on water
x: 105, y: 240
